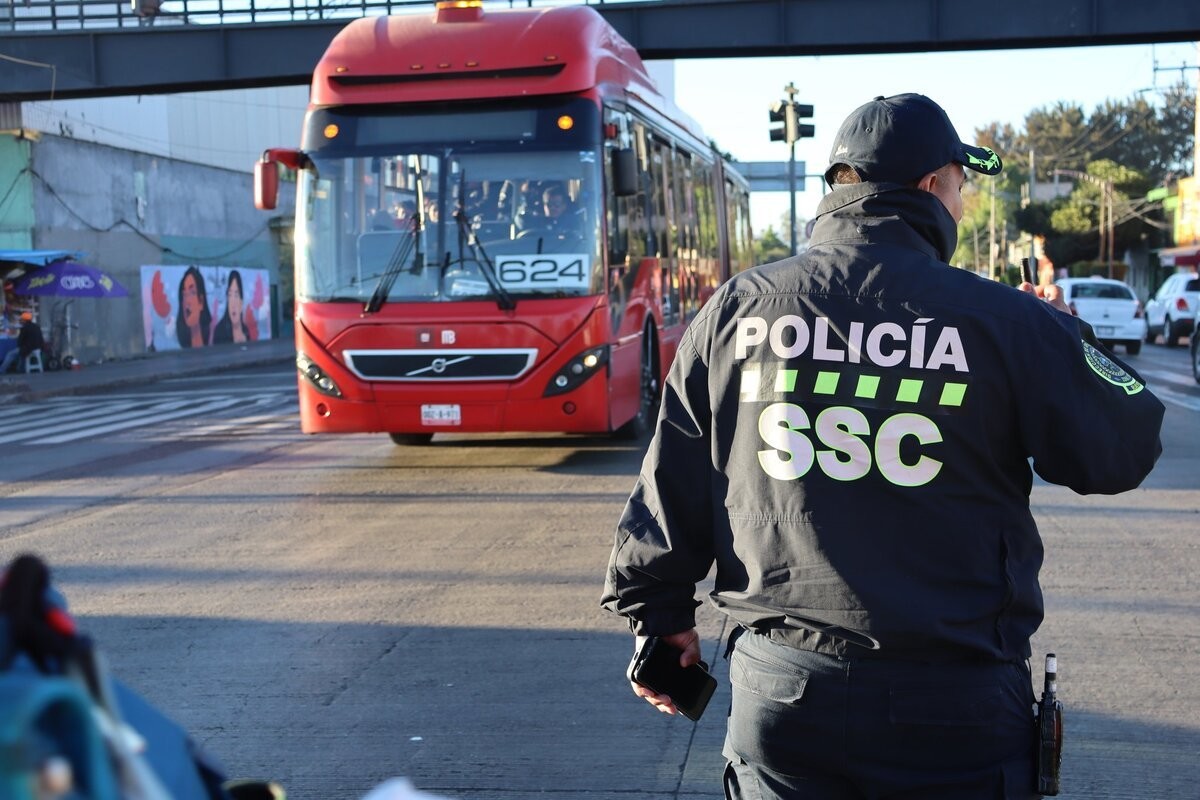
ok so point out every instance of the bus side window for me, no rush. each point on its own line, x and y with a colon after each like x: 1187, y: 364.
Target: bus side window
x: 663, y: 223
x: 618, y: 222
x: 629, y: 235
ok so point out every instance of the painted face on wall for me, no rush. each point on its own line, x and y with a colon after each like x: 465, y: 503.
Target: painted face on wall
x: 233, y: 301
x: 191, y: 301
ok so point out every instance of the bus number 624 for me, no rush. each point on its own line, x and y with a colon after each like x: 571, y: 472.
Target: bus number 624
x: 542, y: 272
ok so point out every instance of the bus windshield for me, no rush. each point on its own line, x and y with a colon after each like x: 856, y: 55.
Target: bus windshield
x: 487, y: 211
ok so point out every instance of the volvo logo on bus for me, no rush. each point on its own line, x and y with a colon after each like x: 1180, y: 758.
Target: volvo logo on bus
x: 437, y: 366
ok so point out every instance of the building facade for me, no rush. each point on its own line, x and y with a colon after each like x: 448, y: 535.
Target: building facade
x: 136, y: 182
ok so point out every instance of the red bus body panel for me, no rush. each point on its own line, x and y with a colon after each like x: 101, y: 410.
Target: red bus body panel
x: 436, y: 58
x: 325, y: 332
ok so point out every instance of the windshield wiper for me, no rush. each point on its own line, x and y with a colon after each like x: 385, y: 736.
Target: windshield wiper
x: 504, y: 300
x: 416, y: 233
x: 396, y: 265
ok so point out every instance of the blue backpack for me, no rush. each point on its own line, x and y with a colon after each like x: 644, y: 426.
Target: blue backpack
x: 68, y: 731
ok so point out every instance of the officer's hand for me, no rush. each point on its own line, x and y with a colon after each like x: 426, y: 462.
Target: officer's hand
x: 687, y: 641
x: 1052, y: 294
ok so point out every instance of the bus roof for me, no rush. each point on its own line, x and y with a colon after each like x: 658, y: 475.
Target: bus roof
x: 475, y: 53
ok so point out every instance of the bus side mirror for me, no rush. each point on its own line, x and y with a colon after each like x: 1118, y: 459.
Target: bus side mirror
x: 624, y: 168
x: 266, y: 184
x: 266, y: 174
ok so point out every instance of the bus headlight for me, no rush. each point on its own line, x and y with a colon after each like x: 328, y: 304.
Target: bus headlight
x: 316, y: 376
x: 577, y: 370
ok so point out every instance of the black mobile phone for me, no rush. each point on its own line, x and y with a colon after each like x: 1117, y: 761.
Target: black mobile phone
x: 1027, y: 272
x: 656, y: 666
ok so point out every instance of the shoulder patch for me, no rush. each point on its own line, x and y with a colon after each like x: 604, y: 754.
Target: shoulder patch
x: 1110, y: 370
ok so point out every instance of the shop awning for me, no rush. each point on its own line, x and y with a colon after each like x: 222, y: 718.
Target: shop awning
x: 39, y: 258
x: 1180, y: 256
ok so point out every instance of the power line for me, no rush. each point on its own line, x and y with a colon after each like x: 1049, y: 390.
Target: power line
x: 138, y: 232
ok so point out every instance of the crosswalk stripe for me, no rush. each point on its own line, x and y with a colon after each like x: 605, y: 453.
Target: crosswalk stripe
x: 1170, y: 395
x: 63, y: 419
x: 141, y: 421
x: 56, y: 414
x: 1179, y: 399
x: 176, y: 394
x: 1169, y: 377
x: 260, y: 422
x: 72, y: 422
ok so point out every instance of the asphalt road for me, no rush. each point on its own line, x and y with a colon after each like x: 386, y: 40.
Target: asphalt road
x: 331, y: 612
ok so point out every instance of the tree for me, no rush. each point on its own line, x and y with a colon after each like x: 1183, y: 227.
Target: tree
x: 1059, y: 137
x: 979, y: 230
x: 1134, y: 143
x: 1157, y: 142
x: 724, y: 154
x: 769, y: 247
x: 1152, y: 139
x: 973, y: 239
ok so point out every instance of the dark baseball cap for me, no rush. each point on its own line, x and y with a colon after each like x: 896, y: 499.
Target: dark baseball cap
x: 899, y: 139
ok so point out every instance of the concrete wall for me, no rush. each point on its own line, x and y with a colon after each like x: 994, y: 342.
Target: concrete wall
x: 16, y: 193
x: 123, y: 209
x: 227, y: 129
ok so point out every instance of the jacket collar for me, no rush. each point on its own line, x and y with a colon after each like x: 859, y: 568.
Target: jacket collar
x: 886, y: 212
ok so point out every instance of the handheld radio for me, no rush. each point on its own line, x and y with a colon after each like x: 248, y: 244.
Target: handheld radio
x: 1050, y: 731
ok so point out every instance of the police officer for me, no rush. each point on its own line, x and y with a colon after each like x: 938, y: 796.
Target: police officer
x: 847, y: 434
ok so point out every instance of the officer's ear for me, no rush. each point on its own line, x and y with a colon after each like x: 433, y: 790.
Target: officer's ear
x: 929, y: 182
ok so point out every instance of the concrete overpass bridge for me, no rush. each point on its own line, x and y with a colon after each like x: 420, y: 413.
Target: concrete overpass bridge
x: 93, y: 48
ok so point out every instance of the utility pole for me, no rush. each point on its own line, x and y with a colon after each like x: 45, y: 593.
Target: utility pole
x: 975, y: 249
x: 1196, y: 136
x: 790, y: 113
x: 1107, y: 224
x: 790, y: 90
x: 1033, y: 262
x: 992, y: 234
x: 1112, y: 226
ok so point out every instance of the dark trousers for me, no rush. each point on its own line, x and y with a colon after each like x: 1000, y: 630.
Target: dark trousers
x: 805, y: 725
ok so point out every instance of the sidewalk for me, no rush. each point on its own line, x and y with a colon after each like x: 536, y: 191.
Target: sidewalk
x: 140, y: 370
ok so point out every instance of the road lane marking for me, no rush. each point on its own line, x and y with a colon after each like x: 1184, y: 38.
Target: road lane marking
x: 141, y: 421
x: 1171, y: 396
x: 57, y: 414
x: 70, y: 422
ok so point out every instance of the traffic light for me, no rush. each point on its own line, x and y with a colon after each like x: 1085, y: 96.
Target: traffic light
x: 779, y: 113
x: 790, y: 114
x: 803, y: 130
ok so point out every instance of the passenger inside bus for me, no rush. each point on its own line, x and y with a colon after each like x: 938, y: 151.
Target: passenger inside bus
x: 559, y: 226
x: 404, y: 211
x: 529, y: 211
x: 382, y: 220
x: 561, y: 216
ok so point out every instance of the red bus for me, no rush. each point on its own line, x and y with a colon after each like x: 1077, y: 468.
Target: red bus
x: 501, y: 225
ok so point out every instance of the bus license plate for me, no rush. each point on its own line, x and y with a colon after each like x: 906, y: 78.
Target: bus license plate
x: 1104, y: 330
x: 441, y: 415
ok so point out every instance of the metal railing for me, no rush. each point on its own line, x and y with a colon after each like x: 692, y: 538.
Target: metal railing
x: 75, y: 15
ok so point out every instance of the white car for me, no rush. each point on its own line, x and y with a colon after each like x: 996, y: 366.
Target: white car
x: 1172, y: 310
x: 1110, y: 307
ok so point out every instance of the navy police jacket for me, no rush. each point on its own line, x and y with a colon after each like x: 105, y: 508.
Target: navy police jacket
x: 848, y: 434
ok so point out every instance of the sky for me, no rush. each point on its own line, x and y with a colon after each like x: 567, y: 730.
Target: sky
x: 730, y: 98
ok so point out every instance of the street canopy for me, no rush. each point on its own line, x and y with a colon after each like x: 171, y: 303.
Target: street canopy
x: 68, y: 279
x: 38, y: 258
